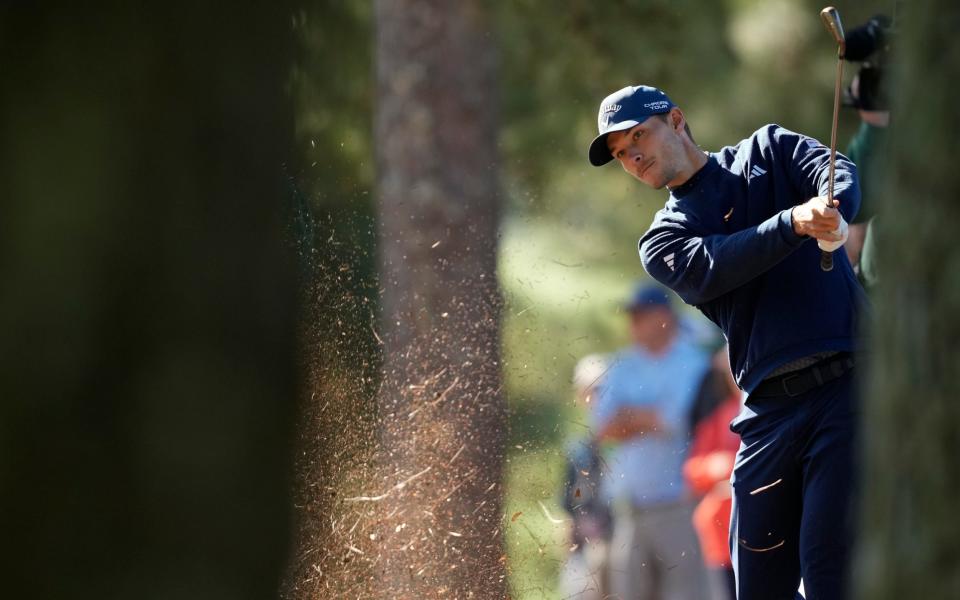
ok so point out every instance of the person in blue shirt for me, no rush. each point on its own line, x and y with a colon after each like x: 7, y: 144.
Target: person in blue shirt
x: 641, y: 414
x: 738, y: 239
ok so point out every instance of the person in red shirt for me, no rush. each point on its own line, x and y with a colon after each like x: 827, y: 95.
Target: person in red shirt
x: 707, y: 471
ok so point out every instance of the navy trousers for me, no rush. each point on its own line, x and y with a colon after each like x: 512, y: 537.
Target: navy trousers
x: 793, y: 487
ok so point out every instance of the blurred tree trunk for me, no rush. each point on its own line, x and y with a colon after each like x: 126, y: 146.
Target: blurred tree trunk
x: 148, y: 302
x: 441, y: 409
x: 910, y: 531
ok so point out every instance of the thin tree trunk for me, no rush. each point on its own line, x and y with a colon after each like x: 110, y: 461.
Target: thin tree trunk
x: 441, y: 408
x: 910, y: 531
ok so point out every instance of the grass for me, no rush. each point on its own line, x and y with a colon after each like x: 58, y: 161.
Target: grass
x: 563, y: 294
x: 536, y: 545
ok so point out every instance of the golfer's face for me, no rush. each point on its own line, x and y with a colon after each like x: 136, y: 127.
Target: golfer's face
x: 642, y: 152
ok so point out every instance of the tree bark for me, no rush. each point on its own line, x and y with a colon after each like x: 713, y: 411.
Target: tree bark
x: 442, y: 414
x: 910, y: 533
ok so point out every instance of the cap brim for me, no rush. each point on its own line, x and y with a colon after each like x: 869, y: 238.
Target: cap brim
x: 599, y: 153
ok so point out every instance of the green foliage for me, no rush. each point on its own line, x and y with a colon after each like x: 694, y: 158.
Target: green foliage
x: 331, y: 84
x: 558, y: 64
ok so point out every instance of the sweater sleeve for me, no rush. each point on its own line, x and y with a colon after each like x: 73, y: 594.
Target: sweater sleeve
x: 808, y: 164
x: 702, y: 268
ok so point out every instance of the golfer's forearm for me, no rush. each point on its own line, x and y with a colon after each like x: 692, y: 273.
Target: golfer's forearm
x: 701, y: 269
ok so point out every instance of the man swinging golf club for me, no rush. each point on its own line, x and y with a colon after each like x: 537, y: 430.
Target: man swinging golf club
x: 736, y: 239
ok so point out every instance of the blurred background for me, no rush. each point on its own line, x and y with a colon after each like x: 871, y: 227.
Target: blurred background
x: 232, y: 324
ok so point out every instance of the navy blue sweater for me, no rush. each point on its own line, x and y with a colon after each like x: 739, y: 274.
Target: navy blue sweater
x: 724, y: 242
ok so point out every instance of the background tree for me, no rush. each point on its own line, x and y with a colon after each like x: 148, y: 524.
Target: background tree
x: 148, y: 304
x: 443, y: 418
x: 910, y: 534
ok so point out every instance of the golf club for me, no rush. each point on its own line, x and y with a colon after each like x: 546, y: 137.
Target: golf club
x: 831, y: 20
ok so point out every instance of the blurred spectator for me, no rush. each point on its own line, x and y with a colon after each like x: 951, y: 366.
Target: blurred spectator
x: 866, y: 149
x: 642, y: 411
x: 584, y: 575
x: 869, y: 94
x: 707, y: 471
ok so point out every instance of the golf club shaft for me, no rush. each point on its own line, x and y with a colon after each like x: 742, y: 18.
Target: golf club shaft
x: 831, y: 20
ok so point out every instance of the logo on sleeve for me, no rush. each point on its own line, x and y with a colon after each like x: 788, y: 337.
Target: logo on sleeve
x: 756, y: 171
x: 669, y: 260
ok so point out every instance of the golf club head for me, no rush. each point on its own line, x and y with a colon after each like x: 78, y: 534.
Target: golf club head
x: 831, y: 20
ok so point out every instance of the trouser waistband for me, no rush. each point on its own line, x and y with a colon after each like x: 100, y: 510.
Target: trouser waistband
x: 799, y: 382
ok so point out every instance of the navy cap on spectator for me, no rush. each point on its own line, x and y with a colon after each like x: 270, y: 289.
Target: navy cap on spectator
x: 622, y: 110
x: 647, y: 295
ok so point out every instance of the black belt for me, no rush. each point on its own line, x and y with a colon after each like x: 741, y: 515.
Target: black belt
x: 802, y: 381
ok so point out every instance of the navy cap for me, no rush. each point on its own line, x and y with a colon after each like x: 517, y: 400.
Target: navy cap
x: 647, y: 295
x: 622, y: 110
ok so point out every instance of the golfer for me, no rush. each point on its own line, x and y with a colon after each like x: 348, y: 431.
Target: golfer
x: 737, y: 239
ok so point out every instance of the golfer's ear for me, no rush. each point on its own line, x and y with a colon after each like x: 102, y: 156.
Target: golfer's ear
x: 677, y: 118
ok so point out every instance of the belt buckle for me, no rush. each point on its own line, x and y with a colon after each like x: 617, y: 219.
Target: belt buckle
x: 786, y: 386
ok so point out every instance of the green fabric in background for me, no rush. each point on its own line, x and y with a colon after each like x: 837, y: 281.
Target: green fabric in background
x: 866, y: 149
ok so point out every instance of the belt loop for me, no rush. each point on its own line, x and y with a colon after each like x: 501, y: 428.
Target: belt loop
x: 817, y: 376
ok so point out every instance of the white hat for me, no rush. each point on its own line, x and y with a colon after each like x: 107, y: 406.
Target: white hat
x: 588, y: 371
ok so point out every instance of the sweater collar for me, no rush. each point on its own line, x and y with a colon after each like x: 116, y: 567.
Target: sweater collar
x: 687, y: 186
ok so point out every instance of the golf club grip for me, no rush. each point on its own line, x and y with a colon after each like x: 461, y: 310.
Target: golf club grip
x: 826, y: 260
